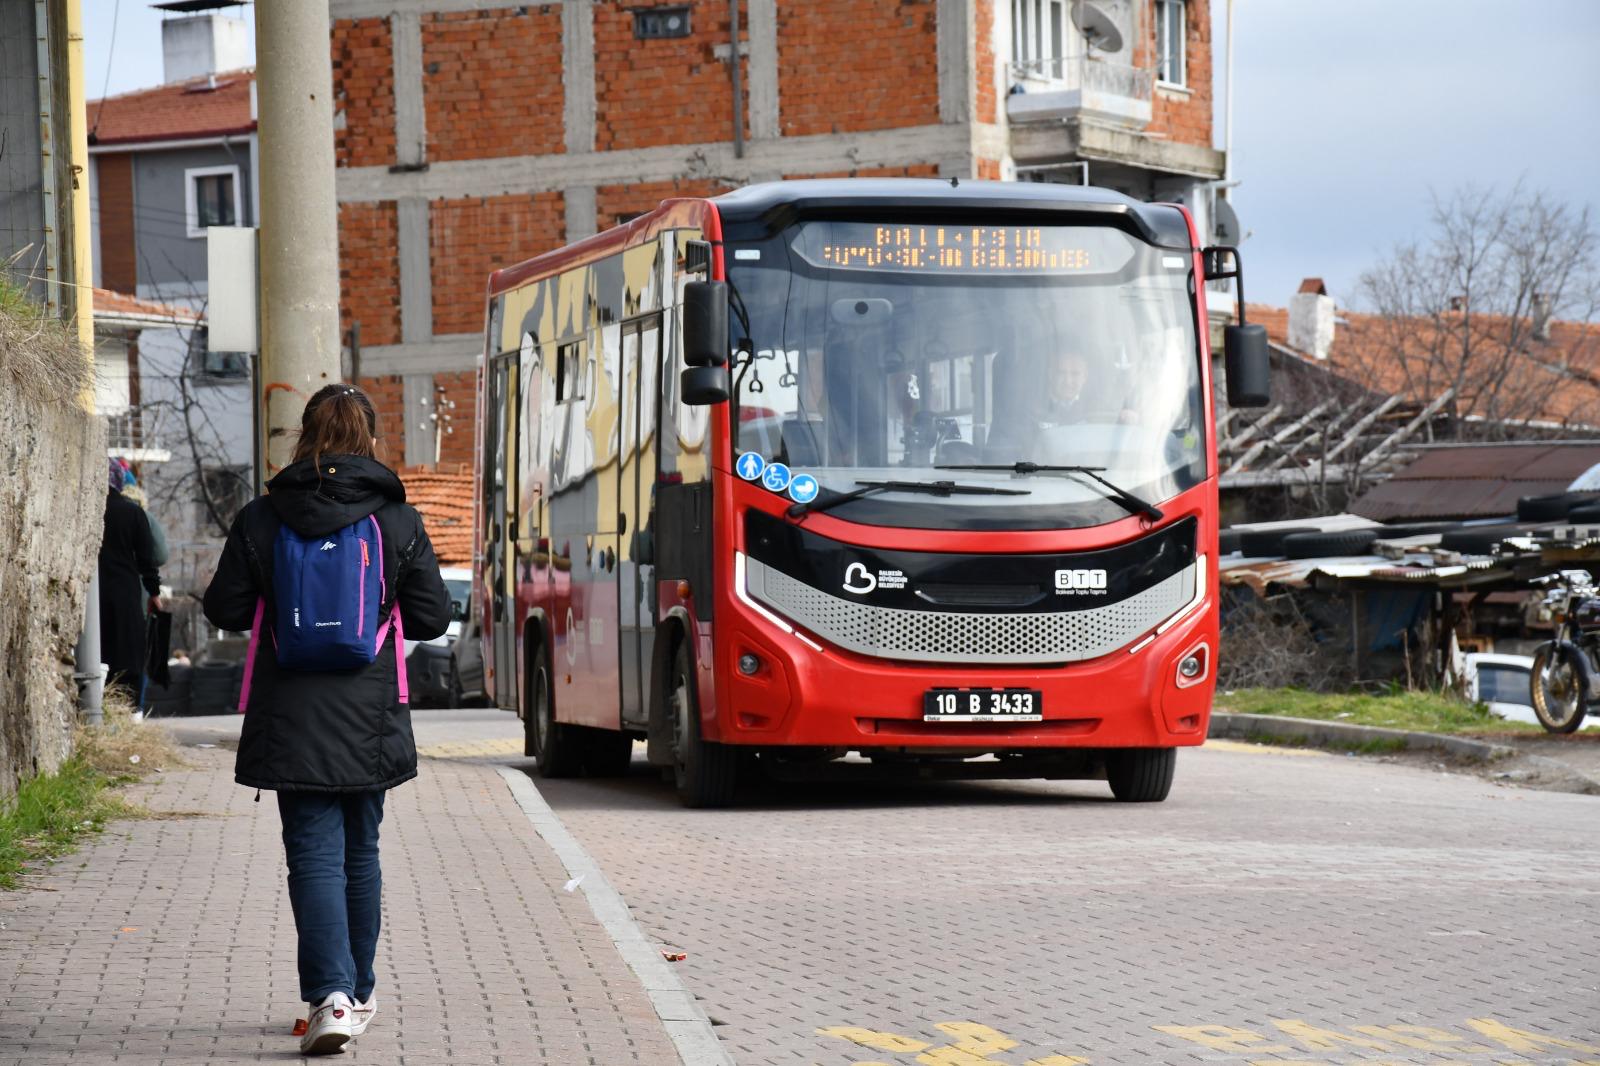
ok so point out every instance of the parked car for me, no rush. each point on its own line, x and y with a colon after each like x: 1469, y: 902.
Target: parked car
x: 1504, y: 683
x: 429, y: 663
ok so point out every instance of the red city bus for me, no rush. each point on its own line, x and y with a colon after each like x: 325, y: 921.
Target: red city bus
x: 920, y: 471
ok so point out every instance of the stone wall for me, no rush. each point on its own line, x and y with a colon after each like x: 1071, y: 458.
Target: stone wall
x: 52, y: 506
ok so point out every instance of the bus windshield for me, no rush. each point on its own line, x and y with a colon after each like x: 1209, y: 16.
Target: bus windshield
x: 886, y: 351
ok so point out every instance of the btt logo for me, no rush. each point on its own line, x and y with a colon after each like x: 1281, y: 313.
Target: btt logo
x: 1083, y: 582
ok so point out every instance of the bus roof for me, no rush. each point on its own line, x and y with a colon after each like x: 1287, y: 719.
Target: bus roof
x: 777, y: 202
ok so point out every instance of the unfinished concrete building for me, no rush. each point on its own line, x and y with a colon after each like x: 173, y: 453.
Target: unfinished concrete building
x: 471, y: 136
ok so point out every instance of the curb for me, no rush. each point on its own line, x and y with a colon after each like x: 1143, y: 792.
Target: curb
x: 686, y: 1023
x: 1318, y: 733
x: 1314, y: 732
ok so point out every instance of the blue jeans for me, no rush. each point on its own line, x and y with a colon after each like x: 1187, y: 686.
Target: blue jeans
x: 331, y: 842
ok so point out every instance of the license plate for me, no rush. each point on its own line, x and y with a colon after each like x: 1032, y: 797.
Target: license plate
x: 983, y: 705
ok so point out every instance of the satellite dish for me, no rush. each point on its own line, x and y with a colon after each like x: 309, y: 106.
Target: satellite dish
x: 1096, y: 27
x: 1225, y: 222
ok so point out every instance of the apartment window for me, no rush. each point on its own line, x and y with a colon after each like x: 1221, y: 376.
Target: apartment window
x: 228, y: 488
x: 211, y: 198
x: 1171, y: 35
x: 211, y: 368
x: 1039, y: 36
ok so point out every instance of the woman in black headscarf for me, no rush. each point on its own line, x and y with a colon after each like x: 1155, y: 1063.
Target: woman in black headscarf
x: 129, y: 582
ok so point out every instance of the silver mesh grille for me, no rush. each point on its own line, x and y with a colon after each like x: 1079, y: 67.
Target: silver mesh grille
x: 941, y: 636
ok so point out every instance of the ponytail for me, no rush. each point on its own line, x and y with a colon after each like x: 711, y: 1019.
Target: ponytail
x: 338, y: 420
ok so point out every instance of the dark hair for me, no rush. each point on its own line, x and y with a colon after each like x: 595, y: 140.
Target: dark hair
x: 338, y: 420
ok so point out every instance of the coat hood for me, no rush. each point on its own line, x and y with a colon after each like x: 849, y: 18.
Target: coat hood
x: 315, y: 500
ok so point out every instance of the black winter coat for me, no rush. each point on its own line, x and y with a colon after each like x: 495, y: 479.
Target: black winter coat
x: 336, y: 730
x: 128, y: 578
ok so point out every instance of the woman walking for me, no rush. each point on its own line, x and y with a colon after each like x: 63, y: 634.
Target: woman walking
x: 326, y: 721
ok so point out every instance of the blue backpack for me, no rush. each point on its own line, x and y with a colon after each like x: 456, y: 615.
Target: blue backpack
x: 328, y: 591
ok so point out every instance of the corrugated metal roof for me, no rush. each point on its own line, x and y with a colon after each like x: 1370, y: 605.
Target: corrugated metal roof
x: 1475, y: 481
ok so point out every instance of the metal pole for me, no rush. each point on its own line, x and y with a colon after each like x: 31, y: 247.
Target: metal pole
x: 738, y: 79
x: 91, y: 672
x: 299, y: 218
x: 1227, y: 143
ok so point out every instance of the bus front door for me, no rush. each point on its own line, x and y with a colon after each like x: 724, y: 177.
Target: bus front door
x: 636, y: 583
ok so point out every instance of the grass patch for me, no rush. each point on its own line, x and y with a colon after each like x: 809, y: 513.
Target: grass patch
x: 51, y: 813
x: 1425, y: 712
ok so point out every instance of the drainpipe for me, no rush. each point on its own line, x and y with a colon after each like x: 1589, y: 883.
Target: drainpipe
x: 1227, y: 96
x: 738, y: 80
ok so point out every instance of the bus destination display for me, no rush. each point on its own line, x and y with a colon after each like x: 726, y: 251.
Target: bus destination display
x: 928, y: 248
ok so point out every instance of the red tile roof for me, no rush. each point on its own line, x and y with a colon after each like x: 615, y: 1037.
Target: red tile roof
x: 200, y: 107
x: 443, y: 496
x: 114, y: 304
x: 1555, y: 381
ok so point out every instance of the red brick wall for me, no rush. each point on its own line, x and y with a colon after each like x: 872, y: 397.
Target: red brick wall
x: 888, y: 77
x: 989, y: 169
x: 461, y: 388
x: 492, y: 82
x: 119, y: 257
x: 388, y: 398
x: 1185, y: 117
x: 669, y: 91
x: 470, y: 237
x: 369, y: 271
x: 618, y: 203
x: 909, y: 170
x: 984, y: 72
x: 363, y: 93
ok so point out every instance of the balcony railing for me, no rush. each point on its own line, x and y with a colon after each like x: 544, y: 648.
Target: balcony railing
x: 126, y: 437
x: 1080, y: 86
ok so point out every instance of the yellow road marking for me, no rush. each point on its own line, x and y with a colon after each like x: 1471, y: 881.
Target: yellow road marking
x: 472, y: 749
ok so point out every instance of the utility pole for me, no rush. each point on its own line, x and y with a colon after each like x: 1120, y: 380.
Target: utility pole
x: 299, y: 218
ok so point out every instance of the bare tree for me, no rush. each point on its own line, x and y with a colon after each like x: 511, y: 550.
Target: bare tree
x: 1469, y: 309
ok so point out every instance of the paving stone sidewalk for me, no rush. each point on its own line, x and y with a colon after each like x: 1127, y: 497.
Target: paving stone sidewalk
x: 171, y: 940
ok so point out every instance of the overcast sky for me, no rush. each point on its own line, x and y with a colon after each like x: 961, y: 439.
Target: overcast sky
x: 1347, y: 115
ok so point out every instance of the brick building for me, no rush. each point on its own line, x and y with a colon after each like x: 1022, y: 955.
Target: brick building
x: 470, y: 135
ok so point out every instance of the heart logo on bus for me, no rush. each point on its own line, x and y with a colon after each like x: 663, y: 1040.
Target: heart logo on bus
x: 859, y: 580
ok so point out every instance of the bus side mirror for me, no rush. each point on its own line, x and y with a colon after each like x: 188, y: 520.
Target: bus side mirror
x: 700, y: 386
x: 705, y: 324
x: 1249, y: 369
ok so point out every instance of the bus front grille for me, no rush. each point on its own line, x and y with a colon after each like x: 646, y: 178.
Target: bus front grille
x: 968, y: 636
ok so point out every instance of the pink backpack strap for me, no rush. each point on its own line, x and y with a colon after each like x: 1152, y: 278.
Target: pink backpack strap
x: 393, y: 622
x: 250, y: 654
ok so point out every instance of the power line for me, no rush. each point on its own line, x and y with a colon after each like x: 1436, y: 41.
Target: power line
x: 110, y: 55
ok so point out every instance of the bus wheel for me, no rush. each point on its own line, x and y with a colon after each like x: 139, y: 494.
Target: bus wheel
x: 556, y: 751
x: 705, y: 773
x: 1141, y: 775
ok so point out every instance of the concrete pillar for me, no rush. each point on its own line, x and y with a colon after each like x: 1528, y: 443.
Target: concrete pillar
x: 299, y: 217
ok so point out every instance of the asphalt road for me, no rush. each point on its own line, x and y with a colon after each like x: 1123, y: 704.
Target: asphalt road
x: 1283, y: 906
x: 1280, y: 907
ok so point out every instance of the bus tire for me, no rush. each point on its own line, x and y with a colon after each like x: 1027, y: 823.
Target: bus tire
x: 1141, y: 775
x: 554, y: 747
x: 704, y: 773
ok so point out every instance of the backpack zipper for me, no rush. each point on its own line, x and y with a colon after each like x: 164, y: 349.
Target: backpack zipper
x: 361, y: 595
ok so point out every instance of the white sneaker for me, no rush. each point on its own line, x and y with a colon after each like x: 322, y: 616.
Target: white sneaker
x: 330, y: 1026
x: 363, y: 1014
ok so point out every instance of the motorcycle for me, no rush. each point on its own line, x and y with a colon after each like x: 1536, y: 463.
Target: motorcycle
x: 1566, y: 669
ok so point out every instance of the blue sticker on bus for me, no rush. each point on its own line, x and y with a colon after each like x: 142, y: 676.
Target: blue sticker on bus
x: 750, y: 465
x: 776, y: 477
x: 803, y: 489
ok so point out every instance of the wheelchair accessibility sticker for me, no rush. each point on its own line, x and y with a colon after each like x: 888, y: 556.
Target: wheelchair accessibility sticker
x: 776, y: 477
x: 750, y: 465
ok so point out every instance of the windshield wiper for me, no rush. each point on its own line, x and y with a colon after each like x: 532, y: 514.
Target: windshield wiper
x: 1113, y: 492
x: 934, y: 488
